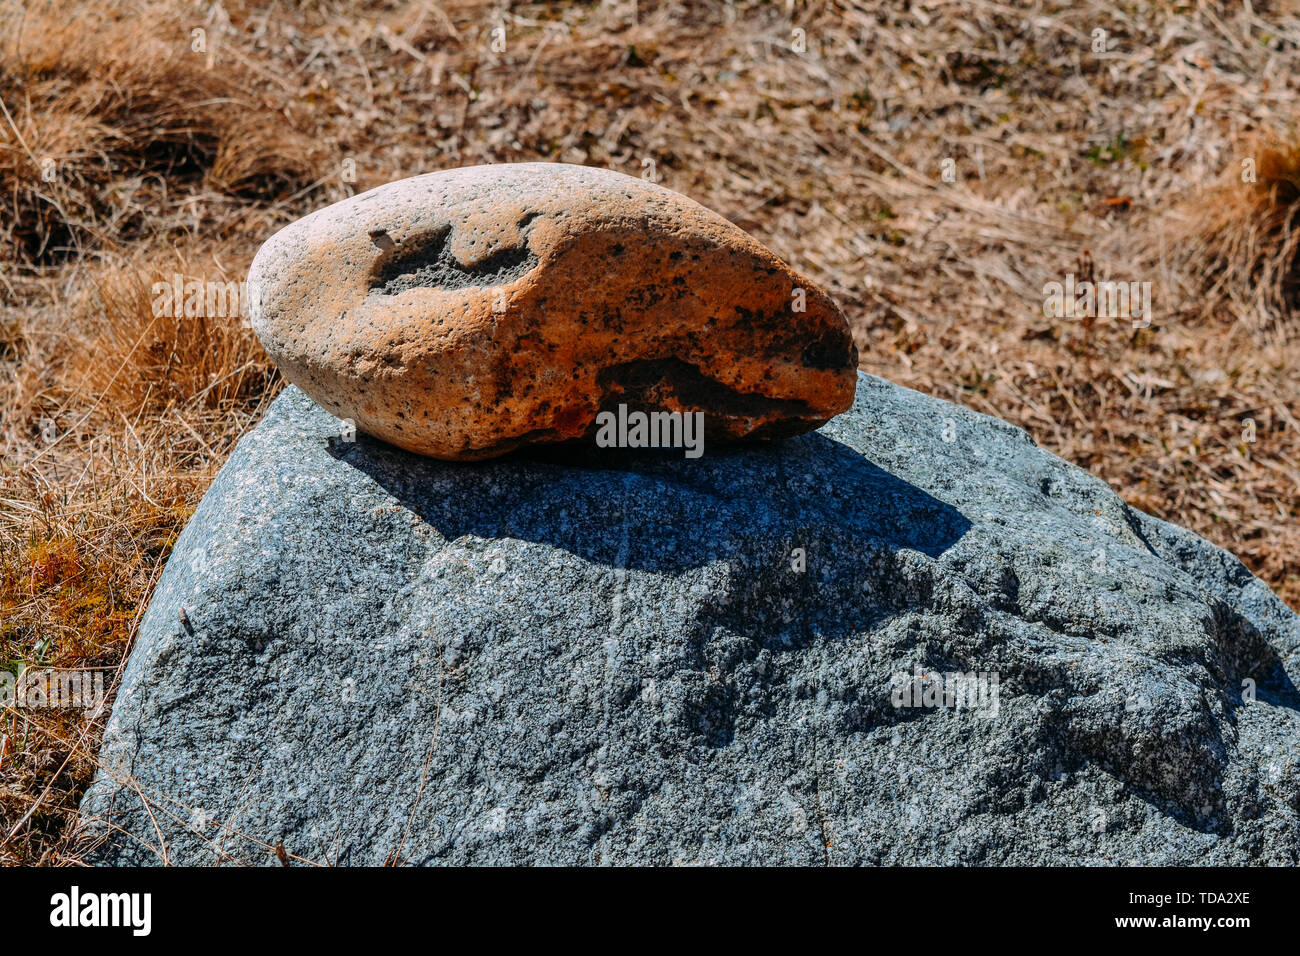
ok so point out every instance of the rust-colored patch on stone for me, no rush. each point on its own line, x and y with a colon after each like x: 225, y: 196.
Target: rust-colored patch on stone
x: 464, y: 313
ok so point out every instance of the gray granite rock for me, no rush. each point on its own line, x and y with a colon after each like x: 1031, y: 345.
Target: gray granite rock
x: 582, y: 658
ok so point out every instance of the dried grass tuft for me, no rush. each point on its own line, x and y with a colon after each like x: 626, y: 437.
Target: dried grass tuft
x: 1243, y: 234
x: 103, y: 126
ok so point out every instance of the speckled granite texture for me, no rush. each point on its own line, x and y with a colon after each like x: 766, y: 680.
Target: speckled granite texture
x: 599, y: 658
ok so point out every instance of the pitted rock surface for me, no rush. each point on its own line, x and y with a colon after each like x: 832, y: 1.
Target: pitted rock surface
x: 587, y: 658
x: 464, y: 313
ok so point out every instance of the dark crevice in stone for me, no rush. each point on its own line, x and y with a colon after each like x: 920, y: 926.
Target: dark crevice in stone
x: 833, y: 350
x: 431, y: 265
x: 648, y: 383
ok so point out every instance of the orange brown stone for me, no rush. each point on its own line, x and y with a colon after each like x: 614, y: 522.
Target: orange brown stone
x: 465, y: 313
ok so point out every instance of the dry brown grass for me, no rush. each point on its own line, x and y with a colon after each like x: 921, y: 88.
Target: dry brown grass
x: 113, y: 422
x: 112, y: 115
x: 1238, y: 240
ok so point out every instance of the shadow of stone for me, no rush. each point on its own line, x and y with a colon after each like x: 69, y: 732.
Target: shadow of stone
x: 661, y: 512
